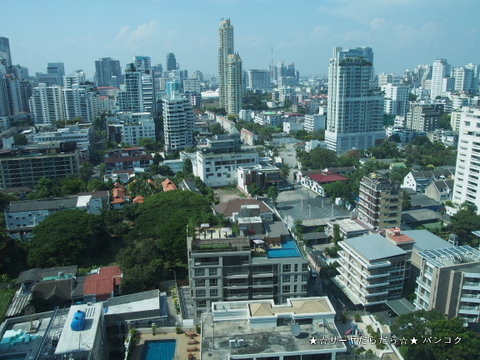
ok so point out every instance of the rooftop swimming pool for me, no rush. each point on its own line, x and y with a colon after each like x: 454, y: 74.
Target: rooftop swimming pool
x: 159, y: 349
x: 288, y: 249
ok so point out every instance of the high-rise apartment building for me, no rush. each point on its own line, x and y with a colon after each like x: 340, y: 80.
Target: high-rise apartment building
x: 108, y: 72
x: 464, y: 80
x: 139, y: 93
x: 178, y: 123
x: 5, y: 55
x: 78, y: 103
x: 396, y: 99
x: 380, y: 202
x: 440, y: 71
x: 234, y: 85
x: 14, y: 95
x: 355, y: 111
x: 46, y: 104
x: 171, y: 62
x: 467, y: 184
x: 225, y: 48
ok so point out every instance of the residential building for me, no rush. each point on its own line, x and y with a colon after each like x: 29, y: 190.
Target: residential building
x: 468, y: 159
x: 22, y: 216
x: 135, y: 127
x: 314, y: 122
x: 449, y: 282
x: 168, y: 185
x: 192, y: 86
x: 57, y: 70
x: 270, y: 118
x: 46, y: 104
x: 139, y: 93
x: 380, y: 202
x: 14, y: 95
x: 262, y: 262
x: 314, y: 180
x: 234, y: 84
x: 289, y: 126
x: 102, y: 284
x: 221, y: 169
x: 127, y: 159
x: 440, y: 71
x: 108, y: 73
x: 263, y: 175
x: 396, y: 99
x: 248, y: 137
x: 355, y: 111
x: 235, y: 208
x: 372, y: 269
x: 178, y: 123
x: 441, y: 190
x: 424, y: 117
x: 405, y: 135
x: 260, y: 329
x: 348, y: 227
x: 225, y: 48
x: 23, y: 167
x: 464, y: 80
x: 446, y: 137
x: 79, y: 103
x: 419, y: 180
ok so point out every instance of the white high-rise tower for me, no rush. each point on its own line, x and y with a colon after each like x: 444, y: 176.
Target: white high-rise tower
x: 225, y: 48
x: 355, y: 111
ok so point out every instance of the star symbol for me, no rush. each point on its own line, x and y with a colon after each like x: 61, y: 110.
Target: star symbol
x: 414, y: 340
x: 403, y: 341
x: 313, y: 341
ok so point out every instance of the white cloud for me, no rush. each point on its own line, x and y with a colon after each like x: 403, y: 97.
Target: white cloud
x: 142, y: 36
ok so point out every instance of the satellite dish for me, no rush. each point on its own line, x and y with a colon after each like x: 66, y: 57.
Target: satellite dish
x: 295, y: 330
x: 312, y: 330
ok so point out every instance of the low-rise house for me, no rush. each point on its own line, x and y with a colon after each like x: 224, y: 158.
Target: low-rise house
x: 119, y: 196
x: 440, y: 190
x: 243, y: 208
x: 127, y: 159
x: 168, y: 185
x: 102, y: 284
x: 314, y: 180
x: 419, y: 180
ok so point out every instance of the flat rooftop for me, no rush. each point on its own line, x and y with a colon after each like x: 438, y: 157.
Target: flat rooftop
x: 425, y: 240
x: 373, y: 247
x: 456, y: 255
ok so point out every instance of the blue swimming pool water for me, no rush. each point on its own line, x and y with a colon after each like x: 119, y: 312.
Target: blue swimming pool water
x: 288, y: 249
x: 158, y: 349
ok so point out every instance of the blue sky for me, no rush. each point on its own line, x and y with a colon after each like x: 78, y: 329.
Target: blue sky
x: 402, y: 33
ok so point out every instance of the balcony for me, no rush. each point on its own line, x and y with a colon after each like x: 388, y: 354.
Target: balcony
x: 263, y: 295
x: 467, y: 285
x: 236, y: 275
x: 368, y: 276
x: 470, y: 298
x: 235, y: 297
x: 469, y: 310
x: 380, y: 293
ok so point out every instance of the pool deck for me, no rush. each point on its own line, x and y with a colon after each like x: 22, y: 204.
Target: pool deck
x: 181, y: 345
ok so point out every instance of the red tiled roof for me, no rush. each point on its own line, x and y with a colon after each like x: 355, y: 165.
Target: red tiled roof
x: 327, y: 177
x: 102, y: 284
x: 168, y: 185
x: 138, y: 200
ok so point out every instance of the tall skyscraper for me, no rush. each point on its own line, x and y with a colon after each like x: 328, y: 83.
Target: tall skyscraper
x: 234, y: 88
x: 5, y: 55
x: 171, y: 62
x: 440, y: 71
x: 139, y: 93
x: 355, y: 111
x: 225, y: 48
x: 108, y: 72
x: 178, y: 123
x: 58, y: 70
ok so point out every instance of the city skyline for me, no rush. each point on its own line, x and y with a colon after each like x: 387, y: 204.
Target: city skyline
x: 403, y: 34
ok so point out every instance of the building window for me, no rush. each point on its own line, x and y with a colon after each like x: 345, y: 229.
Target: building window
x: 212, y: 271
x: 287, y: 268
x: 200, y: 293
x: 201, y: 303
x: 304, y: 267
x: 200, y: 282
x: 199, y: 272
x: 213, y: 282
x: 286, y: 288
x: 286, y: 278
x: 213, y: 292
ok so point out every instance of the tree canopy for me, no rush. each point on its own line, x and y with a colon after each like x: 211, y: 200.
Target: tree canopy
x: 67, y: 237
x: 430, y: 326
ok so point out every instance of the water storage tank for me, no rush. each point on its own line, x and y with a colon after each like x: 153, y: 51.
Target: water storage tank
x: 78, y: 321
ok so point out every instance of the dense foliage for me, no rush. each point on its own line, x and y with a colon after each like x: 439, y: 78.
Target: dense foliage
x: 433, y: 331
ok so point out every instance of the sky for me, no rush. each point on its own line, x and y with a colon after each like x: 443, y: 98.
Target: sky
x: 402, y: 33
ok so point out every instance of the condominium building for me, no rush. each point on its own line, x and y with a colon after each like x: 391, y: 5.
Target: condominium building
x: 314, y: 122
x: 5, y: 54
x: 79, y: 103
x: 57, y: 70
x: 467, y: 185
x: 440, y: 70
x: 424, y: 117
x: 380, y: 202
x: 46, y: 104
x: 221, y: 169
x: 178, y: 123
x: 225, y: 48
x: 132, y: 133
x: 396, y: 99
x: 138, y: 94
x: 260, y: 330
x: 23, y: 167
x: 372, y: 269
x: 449, y: 282
x: 171, y: 62
x: 234, y: 85
x: 258, y: 79
x: 262, y: 262
x: 355, y: 111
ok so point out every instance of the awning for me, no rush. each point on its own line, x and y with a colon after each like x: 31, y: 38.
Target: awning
x: 259, y: 242
x: 400, y: 306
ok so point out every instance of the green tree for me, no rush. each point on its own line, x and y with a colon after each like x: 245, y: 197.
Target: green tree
x: 96, y: 184
x: 254, y: 190
x: 464, y: 222
x: 272, y: 193
x: 45, y: 188
x: 20, y: 140
x: 187, y: 166
x: 67, y: 237
x: 284, y: 170
x: 85, y: 171
x: 149, y: 144
x: 434, y: 325
x: 72, y: 186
